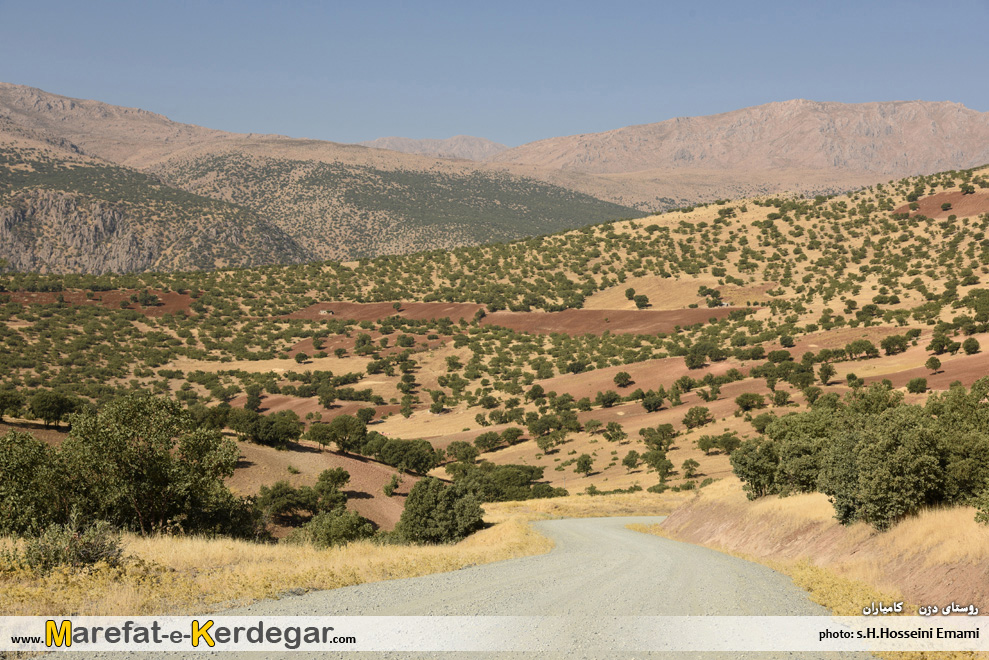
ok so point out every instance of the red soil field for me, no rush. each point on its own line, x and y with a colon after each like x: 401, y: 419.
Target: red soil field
x: 647, y: 375
x: 964, y: 206
x: 596, y: 321
x: 571, y: 321
x: 171, y: 302
x: 964, y: 368
x: 418, y: 311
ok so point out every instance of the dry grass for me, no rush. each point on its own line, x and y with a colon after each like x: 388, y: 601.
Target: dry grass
x: 940, y: 536
x: 934, y: 557
x: 172, y: 575
x: 586, y: 506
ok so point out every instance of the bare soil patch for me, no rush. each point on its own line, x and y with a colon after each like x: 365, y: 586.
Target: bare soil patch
x: 663, y: 293
x: 171, y: 302
x: 263, y: 466
x: 964, y: 206
x: 597, y: 321
x: 647, y: 375
x: 418, y: 311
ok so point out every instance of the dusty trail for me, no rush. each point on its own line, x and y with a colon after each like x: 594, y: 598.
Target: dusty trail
x: 597, y: 569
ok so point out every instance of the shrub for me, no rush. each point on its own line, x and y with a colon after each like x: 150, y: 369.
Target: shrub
x: 917, y: 385
x: 697, y: 416
x: 750, y: 401
x: 335, y: 527
x: 73, y: 545
x: 436, y: 513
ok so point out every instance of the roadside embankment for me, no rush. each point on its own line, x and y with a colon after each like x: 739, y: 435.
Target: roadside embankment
x: 939, y: 556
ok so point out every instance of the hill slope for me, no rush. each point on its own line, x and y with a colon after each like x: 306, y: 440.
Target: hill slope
x: 895, y: 138
x: 66, y: 213
x: 459, y: 146
x: 338, y: 201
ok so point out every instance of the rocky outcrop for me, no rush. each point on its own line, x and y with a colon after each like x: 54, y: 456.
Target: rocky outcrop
x: 46, y: 231
x: 56, y: 232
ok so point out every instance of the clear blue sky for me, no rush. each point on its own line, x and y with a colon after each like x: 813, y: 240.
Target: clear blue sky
x: 509, y: 71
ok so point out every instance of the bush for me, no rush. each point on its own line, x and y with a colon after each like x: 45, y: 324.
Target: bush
x: 436, y: 513
x: 73, y: 545
x: 750, y: 401
x: 335, y: 527
x: 917, y: 386
x: 697, y: 416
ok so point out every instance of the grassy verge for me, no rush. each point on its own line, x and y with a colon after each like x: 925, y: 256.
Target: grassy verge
x: 170, y: 575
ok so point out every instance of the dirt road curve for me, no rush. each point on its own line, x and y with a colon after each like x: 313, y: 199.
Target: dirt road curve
x: 597, y: 569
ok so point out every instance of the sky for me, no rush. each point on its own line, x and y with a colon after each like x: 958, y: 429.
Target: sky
x: 508, y: 71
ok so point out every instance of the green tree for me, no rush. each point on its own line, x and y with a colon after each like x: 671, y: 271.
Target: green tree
x: 623, y: 379
x: 50, y: 406
x: 826, y: 373
x: 689, y: 468
x: 917, y: 385
x: 348, y: 432
x: 631, y: 460
x: 585, y: 463
x: 140, y: 463
x: 697, y: 416
x: 750, y: 401
x: 755, y: 463
x: 614, y: 432
x: 463, y: 452
x: 971, y: 346
x: 11, y: 401
x: 436, y: 513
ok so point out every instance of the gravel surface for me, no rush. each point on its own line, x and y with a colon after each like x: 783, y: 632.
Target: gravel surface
x: 597, y: 569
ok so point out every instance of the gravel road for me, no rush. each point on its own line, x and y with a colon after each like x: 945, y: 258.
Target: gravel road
x: 598, y: 569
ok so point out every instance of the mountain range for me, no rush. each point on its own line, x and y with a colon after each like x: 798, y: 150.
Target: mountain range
x: 91, y: 187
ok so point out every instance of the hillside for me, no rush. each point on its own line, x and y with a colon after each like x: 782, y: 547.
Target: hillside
x: 583, y: 342
x: 348, y: 201
x: 62, y: 212
x: 891, y: 138
x: 467, y: 147
x: 337, y: 201
x: 347, y: 211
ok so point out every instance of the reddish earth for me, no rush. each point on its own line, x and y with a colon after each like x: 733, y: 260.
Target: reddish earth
x: 597, y: 321
x: 171, y: 302
x: 376, y: 311
x: 273, y: 403
x: 964, y: 368
x: 647, y: 375
x: 964, y: 206
x: 50, y: 436
x: 333, y: 342
x: 571, y: 321
x: 260, y: 466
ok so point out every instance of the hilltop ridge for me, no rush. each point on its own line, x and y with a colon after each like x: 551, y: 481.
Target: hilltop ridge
x: 891, y: 138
